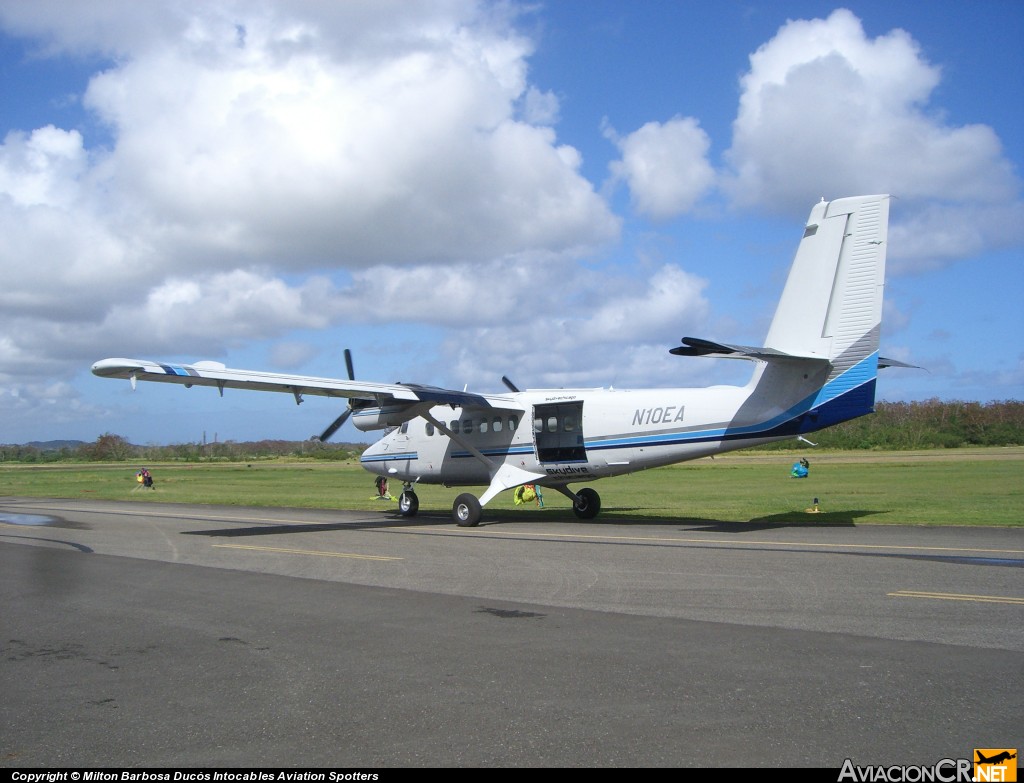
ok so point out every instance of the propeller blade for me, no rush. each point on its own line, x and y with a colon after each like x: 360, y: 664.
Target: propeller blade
x: 507, y: 382
x: 335, y: 425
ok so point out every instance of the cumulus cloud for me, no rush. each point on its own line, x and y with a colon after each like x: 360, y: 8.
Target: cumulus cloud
x: 934, y: 233
x: 41, y: 167
x: 826, y: 111
x: 665, y: 166
x: 252, y: 145
x: 290, y: 354
x: 575, y: 334
x: 277, y: 145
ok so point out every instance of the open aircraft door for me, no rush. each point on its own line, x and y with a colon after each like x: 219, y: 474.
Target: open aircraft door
x: 558, y: 432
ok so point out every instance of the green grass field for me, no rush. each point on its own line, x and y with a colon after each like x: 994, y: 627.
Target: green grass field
x: 939, y: 487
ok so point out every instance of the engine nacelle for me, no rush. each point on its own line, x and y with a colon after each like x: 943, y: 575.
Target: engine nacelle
x: 381, y: 418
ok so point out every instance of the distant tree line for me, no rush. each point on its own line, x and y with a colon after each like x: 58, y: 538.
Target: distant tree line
x: 114, y: 448
x: 932, y: 424
x: 895, y: 426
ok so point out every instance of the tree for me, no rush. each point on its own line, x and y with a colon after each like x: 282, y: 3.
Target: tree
x: 109, y: 447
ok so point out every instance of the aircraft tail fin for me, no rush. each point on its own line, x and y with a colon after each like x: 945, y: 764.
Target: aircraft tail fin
x: 831, y: 311
x: 820, y: 359
x: 831, y: 307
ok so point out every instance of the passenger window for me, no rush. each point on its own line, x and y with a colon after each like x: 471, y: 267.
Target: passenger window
x: 569, y: 424
x: 430, y: 429
x: 467, y: 427
x: 538, y: 425
x: 513, y: 422
x: 496, y: 424
x: 453, y: 425
x: 483, y: 426
x: 405, y: 427
x: 552, y: 424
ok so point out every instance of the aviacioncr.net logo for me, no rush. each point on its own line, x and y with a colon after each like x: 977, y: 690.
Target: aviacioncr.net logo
x: 995, y: 765
x: 944, y: 771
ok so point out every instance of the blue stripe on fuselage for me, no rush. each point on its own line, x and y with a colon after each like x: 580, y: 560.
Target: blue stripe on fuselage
x: 510, y: 451
x: 405, y: 455
x: 846, y: 397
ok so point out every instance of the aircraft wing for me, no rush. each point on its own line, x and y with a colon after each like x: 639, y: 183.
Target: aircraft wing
x: 217, y: 375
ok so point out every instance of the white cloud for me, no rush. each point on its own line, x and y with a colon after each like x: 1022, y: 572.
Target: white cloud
x: 57, y: 401
x: 665, y: 166
x: 935, y: 233
x: 41, y: 168
x: 280, y: 147
x: 207, y: 314
x: 105, y: 27
x: 540, y: 108
x: 291, y: 354
x: 825, y: 111
x: 568, y: 331
x: 253, y: 144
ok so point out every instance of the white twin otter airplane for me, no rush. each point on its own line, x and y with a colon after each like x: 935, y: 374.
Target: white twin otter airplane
x: 817, y: 368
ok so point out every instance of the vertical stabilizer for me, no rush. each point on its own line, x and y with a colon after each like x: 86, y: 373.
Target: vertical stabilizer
x: 831, y: 307
x: 831, y: 311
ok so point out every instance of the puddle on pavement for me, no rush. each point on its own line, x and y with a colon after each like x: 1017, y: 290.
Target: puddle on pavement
x: 27, y: 519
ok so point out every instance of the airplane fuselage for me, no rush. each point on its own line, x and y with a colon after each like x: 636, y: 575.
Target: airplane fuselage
x: 568, y: 435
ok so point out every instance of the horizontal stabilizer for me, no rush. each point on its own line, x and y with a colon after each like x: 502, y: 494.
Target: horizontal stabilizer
x: 694, y: 346
x: 883, y: 362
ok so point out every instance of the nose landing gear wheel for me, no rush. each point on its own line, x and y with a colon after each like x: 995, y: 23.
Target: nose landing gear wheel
x: 408, y: 503
x: 466, y: 510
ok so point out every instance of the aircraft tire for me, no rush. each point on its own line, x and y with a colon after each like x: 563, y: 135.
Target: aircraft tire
x: 408, y: 504
x: 588, y: 505
x: 466, y: 510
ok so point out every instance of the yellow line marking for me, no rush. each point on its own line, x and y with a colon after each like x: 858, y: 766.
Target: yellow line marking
x: 992, y: 599
x: 682, y: 540
x: 318, y: 552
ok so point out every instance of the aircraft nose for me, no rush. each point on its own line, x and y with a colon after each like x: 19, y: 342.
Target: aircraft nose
x: 373, y: 457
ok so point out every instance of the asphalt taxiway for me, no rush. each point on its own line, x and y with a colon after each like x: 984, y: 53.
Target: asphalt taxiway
x: 149, y: 634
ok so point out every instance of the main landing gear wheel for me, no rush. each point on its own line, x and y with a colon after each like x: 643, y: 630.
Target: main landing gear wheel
x: 587, y: 505
x: 408, y: 503
x: 466, y: 510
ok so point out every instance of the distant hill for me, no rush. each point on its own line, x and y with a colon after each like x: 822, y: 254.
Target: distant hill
x: 54, y: 445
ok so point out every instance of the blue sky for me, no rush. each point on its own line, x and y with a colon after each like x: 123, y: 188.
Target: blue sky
x: 458, y: 190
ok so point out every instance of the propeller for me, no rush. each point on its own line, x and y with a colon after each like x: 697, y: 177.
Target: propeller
x: 511, y: 386
x: 336, y: 424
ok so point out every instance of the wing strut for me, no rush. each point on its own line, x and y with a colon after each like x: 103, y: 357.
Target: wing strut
x: 503, y: 476
x: 492, y: 466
